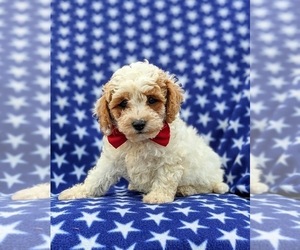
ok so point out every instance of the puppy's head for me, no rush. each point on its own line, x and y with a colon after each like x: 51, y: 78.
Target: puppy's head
x: 138, y: 100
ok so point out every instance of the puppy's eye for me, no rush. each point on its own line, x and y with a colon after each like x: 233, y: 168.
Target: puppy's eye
x: 151, y: 100
x: 123, y: 104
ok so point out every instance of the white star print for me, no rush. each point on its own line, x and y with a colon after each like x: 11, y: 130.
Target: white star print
x: 260, y: 125
x: 235, y: 125
x: 80, y: 132
x: 270, y: 178
x: 194, y: 226
x: 202, y: 246
x: 278, y: 125
x: 42, y: 172
x: 61, y: 120
x: 45, y: 245
x: 204, y: 119
x: 162, y: 238
x: 44, y: 131
x: 56, y: 229
x: 11, y: 179
x: 14, y: 160
x: 292, y: 212
x: 122, y: 211
x: 58, y: 179
x: 89, y: 218
x: 124, y: 229
x: 186, y: 211
x: 8, y: 229
x: 202, y: 100
x: 62, y: 102
x: 220, y: 107
x: 221, y: 217
x: 59, y: 159
x: 273, y: 237
x: 259, y: 217
x: 43, y: 152
x: 223, y: 124
x: 238, y: 143
x: 79, y: 151
x: 157, y: 218
x: 78, y: 171
x: 88, y: 243
x: 225, y: 159
x: 231, y: 236
x: 15, y: 140
x: 60, y: 140
x: 17, y: 102
x: 16, y: 120
x: 282, y: 143
x: 80, y: 115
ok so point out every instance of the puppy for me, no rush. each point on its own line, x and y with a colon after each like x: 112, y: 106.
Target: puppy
x: 147, y: 143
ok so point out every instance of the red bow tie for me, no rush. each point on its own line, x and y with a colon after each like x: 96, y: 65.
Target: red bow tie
x: 116, y: 139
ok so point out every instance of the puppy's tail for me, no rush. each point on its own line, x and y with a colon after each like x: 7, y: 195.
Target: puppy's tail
x: 220, y: 188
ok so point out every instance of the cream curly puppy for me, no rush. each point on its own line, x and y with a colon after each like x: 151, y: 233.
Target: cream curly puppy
x: 147, y: 143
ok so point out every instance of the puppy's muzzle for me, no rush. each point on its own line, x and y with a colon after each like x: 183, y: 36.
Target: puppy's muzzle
x: 139, y: 125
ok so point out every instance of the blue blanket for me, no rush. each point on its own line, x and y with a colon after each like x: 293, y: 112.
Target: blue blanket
x: 120, y: 220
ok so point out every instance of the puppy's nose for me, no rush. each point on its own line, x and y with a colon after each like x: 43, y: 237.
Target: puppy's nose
x: 139, y: 125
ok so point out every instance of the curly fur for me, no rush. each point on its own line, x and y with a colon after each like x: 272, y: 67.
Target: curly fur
x: 186, y: 166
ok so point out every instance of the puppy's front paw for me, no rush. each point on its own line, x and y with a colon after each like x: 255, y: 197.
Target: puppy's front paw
x: 157, y: 198
x: 76, y: 192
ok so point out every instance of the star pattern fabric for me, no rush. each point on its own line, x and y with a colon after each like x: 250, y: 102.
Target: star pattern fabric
x: 275, y: 96
x: 24, y: 224
x: 275, y: 123
x: 24, y: 94
x: 24, y: 121
x: 120, y: 220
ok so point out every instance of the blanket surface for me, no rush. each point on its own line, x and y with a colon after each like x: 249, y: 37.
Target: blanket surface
x: 120, y: 220
x: 275, y: 222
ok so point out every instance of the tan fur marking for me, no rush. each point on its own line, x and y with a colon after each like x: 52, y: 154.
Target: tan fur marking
x: 174, y: 100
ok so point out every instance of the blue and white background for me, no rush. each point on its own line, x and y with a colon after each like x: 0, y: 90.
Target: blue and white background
x: 275, y: 119
x: 24, y: 121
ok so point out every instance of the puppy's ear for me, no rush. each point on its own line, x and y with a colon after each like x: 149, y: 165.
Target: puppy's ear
x: 102, y: 112
x: 174, y: 99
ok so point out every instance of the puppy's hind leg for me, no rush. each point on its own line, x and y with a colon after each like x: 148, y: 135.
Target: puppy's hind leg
x: 187, y: 190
